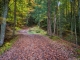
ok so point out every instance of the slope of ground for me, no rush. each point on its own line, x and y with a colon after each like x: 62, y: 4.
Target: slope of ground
x: 37, y: 47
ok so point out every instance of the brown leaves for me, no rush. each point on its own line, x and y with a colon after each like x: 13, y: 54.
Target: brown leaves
x: 36, y: 47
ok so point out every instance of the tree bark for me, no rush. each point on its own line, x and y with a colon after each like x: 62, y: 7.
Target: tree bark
x: 3, y: 25
x: 14, y: 17
x: 54, y: 23
x: 49, y: 31
x: 71, y: 20
x: 79, y: 16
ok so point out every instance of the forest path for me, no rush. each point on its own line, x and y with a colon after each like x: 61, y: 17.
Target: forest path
x: 37, y: 47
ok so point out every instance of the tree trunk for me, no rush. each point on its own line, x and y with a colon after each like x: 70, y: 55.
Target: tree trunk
x: 14, y: 17
x: 71, y: 20
x: 79, y: 17
x: 60, y: 21
x: 49, y: 31
x: 3, y: 25
x: 75, y: 22
x: 55, y: 13
x: 54, y: 23
x: 75, y: 33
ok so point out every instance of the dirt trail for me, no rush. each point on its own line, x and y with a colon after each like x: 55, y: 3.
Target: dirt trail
x: 37, y: 47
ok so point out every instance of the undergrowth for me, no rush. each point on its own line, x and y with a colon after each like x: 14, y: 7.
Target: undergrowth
x: 7, y: 45
x: 78, y: 52
x: 17, y: 28
x: 37, y: 30
x: 54, y: 37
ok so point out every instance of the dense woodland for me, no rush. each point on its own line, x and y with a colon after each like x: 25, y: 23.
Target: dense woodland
x: 57, y: 17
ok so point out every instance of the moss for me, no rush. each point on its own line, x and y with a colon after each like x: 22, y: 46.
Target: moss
x: 7, y: 45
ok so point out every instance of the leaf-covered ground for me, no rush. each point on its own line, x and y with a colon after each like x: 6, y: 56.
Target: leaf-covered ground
x: 37, y: 47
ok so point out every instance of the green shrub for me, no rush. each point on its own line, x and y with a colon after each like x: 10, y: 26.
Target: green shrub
x: 54, y: 37
x: 17, y: 28
x: 7, y: 45
x: 37, y: 30
x: 78, y: 52
x: 68, y: 38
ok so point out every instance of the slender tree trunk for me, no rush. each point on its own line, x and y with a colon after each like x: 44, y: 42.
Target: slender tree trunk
x: 75, y: 33
x: 79, y: 16
x: 75, y: 21
x: 49, y: 31
x: 55, y: 13
x: 14, y: 17
x: 3, y: 25
x: 71, y: 21
x: 60, y: 21
x: 54, y: 23
x: 58, y: 15
x: 66, y: 9
x: 74, y: 16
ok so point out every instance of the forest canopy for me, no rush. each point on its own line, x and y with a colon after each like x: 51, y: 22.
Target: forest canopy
x: 57, y: 17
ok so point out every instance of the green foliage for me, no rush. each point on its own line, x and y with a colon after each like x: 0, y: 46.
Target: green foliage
x: 17, y: 28
x: 54, y: 37
x: 37, y: 30
x: 78, y: 40
x: 40, y: 11
x: 30, y: 12
x: 78, y: 52
x: 22, y: 11
x: 68, y: 38
x: 7, y: 45
x: 31, y: 21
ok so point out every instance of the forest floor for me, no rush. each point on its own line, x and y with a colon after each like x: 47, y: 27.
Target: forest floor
x: 38, y: 47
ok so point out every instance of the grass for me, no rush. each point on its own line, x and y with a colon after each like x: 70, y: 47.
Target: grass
x: 37, y: 30
x: 54, y: 37
x: 17, y: 28
x: 7, y: 45
x: 78, y: 52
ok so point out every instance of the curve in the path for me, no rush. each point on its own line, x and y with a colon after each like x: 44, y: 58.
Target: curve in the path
x: 36, y: 47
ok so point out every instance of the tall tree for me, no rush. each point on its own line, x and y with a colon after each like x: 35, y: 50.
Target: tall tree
x: 79, y: 15
x: 55, y: 18
x: 49, y: 31
x: 71, y: 19
x: 14, y: 17
x: 3, y: 25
